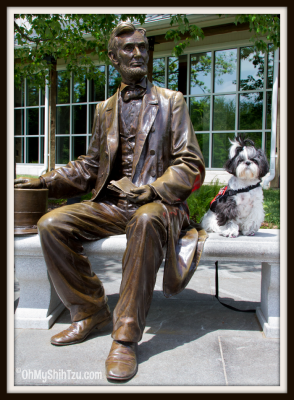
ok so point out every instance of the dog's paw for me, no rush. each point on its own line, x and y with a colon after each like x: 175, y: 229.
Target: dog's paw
x: 229, y: 234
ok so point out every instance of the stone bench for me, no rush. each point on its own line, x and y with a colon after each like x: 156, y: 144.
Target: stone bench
x: 39, y: 305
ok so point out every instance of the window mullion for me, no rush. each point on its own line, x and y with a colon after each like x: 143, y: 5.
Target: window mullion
x: 70, y: 115
x: 211, y: 108
x: 237, y: 89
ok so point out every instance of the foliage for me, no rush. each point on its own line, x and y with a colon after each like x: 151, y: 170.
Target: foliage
x: 67, y: 37
x: 267, y: 25
x: 271, y: 207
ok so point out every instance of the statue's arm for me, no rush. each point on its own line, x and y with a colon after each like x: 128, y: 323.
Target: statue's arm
x: 78, y: 176
x: 187, y: 163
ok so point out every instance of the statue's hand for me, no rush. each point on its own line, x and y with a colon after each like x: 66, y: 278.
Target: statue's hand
x: 145, y: 194
x: 24, y: 183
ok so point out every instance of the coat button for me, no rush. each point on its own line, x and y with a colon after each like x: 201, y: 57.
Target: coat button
x: 152, y: 152
x: 153, y: 173
x: 152, y: 129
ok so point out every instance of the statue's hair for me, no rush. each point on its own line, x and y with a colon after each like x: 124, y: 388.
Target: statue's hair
x: 123, y: 27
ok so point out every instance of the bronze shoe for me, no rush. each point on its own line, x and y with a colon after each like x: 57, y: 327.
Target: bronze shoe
x: 121, y: 363
x: 78, y: 331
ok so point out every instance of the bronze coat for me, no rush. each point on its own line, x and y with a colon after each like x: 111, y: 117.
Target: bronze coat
x: 166, y: 155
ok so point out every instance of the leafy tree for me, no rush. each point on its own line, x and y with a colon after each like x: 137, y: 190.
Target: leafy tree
x: 67, y: 37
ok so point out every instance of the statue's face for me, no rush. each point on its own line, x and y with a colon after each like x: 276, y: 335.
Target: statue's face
x: 132, y: 56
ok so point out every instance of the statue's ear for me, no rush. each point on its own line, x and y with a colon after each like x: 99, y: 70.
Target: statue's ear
x: 113, y: 58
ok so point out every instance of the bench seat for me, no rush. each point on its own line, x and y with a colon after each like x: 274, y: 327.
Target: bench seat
x: 39, y: 305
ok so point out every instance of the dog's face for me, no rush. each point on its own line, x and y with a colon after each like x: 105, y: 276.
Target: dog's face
x: 245, y: 161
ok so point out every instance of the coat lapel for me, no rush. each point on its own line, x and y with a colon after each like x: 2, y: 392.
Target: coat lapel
x: 112, y: 128
x: 146, y: 119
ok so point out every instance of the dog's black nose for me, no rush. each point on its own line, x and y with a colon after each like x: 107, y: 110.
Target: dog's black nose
x: 248, y: 162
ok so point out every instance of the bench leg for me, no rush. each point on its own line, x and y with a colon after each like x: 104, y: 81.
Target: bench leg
x: 39, y: 305
x: 268, y: 313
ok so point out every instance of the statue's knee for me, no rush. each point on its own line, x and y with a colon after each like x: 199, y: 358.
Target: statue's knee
x: 46, y: 221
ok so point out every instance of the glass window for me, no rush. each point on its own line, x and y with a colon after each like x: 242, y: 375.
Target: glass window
x: 79, y: 123
x: 19, y: 96
x: 250, y: 110
x: 62, y: 150
x: 79, y: 85
x: 158, y: 73
x: 224, y: 112
x: 42, y: 120
x: 32, y: 150
x: 220, y: 148
x: 42, y: 150
x: 18, y: 150
x: 32, y: 121
x: 256, y: 137
x: 114, y: 80
x: 32, y: 92
x: 92, y: 108
x: 62, y: 120
x: 203, y: 141
x: 268, y: 136
x: 225, y: 74
x: 251, y: 69
x: 200, y: 78
x: 200, y: 112
x: 268, y: 110
x: 177, y: 74
x: 18, y: 122
x: 97, y: 85
x: 78, y: 146
x: 63, y: 88
x: 270, y: 66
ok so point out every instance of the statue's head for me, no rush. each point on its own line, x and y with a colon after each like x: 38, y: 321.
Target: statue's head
x: 128, y: 51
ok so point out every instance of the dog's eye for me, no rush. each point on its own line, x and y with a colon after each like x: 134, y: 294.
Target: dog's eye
x: 255, y: 161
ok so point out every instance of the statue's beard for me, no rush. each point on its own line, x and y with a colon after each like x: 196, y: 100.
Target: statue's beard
x: 135, y: 73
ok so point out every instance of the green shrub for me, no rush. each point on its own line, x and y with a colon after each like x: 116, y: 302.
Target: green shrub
x: 199, y: 201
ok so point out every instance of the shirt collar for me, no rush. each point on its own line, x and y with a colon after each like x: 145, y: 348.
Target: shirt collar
x: 142, y: 83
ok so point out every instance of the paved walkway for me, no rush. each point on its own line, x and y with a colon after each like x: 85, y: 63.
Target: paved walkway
x: 190, y: 339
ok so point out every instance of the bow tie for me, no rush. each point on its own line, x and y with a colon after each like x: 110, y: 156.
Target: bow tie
x: 129, y: 94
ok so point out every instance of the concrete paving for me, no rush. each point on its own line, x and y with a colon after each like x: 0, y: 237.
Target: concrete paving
x: 190, y: 339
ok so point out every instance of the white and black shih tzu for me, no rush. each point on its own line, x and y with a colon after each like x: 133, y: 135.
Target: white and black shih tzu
x: 238, y: 207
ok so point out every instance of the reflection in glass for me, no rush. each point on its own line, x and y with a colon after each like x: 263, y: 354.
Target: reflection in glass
x: 32, y: 121
x: 268, y: 110
x: 63, y: 88
x: 62, y: 120
x: 62, y: 150
x: 251, y: 69
x: 32, y: 150
x: 268, y: 136
x: 250, y: 111
x: 79, y: 119
x: 92, y: 108
x: 18, y: 122
x: 177, y: 73
x: 220, y: 148
x: 32, y: 92
x: 97, y: 85
x: 200, y: 112
x: 42, y: 150
x: 225, y: 70
x: 114, y: 80
x: 203, y: 141
x: 78, y: 146
x: 42, y: 122
x: 158, y: 73
x: 18, y: 150
x: 224, y: 111
x: 200, y: 79
x: 79, y: 84
x: 270, y: 66
x: 19, y: 96
x: 256, y: 137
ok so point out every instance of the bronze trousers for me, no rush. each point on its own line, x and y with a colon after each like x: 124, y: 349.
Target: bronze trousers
x: 61, y: 234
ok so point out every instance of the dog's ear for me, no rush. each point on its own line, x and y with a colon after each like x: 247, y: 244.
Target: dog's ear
x: 229, y: 166
x: 263, y: 164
